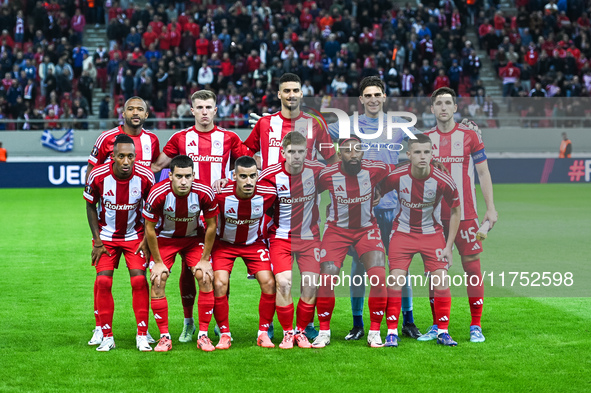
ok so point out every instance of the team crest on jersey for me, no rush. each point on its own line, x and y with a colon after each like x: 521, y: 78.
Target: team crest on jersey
x: 430, y: 194
x: 193, y: 208
x: 457, y: 145
x: 217, y: 144
x: 135, y: 192
x: 147, y: 149
x: 258, y: 210
x: 94, y: 152
x: 302, y: 131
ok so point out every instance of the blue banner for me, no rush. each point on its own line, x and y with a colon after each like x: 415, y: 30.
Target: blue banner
x: 42, y: 174
x: 503, y: 170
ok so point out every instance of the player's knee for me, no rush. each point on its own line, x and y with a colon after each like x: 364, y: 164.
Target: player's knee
x: 199, y: 275
x: 396, y: 281
x: 267, y: 283
x: 220, y: 287
x: 104, y: 282
x: 329, y: 268
x: 439, y: 280
x: 470, y: 258
x: 138, y: 283
x: 283, y: 284
x: 309, y: 294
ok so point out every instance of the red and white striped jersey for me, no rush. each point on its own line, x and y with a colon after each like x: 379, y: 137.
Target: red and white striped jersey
x: 296, y: 212
x: 459, y: 150
x: 119, y: 201
x: 408, y: 82
x: 242, y: 221
x: 420, y: 199
x: 211, y: 151
x: 147, y: 147
x: 178, y: 216
x: 269, y: 131
x: 352, y: 196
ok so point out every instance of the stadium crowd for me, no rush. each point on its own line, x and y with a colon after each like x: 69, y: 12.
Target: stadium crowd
x: 167, y: 50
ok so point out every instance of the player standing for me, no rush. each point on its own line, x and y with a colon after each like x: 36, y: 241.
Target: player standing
x: 269, y: 131
x: 351, y: 222
x: 147, y: 149
x: 461, y: 150
x: 146, y: 143
x: 384, y: 149
x: 417, y: 229
x: 172, y: 227
x: 211, y: 148
x: 243, y: 206
x: 119, y: 188
x: 294, y: 233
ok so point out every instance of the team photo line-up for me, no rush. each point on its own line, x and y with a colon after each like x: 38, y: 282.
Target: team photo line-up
x: 222, y: 198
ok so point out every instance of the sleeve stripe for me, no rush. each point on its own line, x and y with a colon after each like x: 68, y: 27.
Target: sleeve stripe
x: 271, y: 169
x: 98, y: 171
x: 444, y: 178
x: 156, y: 192
x: 203, y: 188
x: 101, y: 139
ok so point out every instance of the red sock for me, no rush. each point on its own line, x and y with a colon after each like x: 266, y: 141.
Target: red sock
x: 105, y: 304
x: 160, y: 310
x: 393, y: 308
x: 97, y: 320
x: 205, y: 305
x: 304, y: 315
x: 442, y: 303
x: 221, y: 310
x: 377, y: 296
x: 285, y: 316
x: 475, y: 292
x: 141, y: 303
x: 325, y: 301
x: 432, y: 304
x: 188, y: 291
x: 267, y: 310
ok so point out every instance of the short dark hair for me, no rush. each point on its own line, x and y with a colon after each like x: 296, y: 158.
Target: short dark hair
x: 122, y: 138
x: 420, y: 138
x: 441, y: 91
x: 245, y: 162
x: 369, y: 81
x: 137, y: 98
x: 293, y: 138
x: 343, y: 140
x: 181, y: 161
x: 289, y: 77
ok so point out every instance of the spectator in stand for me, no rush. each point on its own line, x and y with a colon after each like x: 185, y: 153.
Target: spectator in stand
x: 441, y: 80
x: 77, y: 24
x: 509, y: 74
x: 127, y: 85
x: 205, y: 75
x: 202, y: 45
x: 104, y: 112
x: 50, y: 120
x: 80, y: 122
x: 455, y: 74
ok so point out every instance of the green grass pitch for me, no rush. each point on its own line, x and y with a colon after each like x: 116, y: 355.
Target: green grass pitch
x: 536, y: 342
